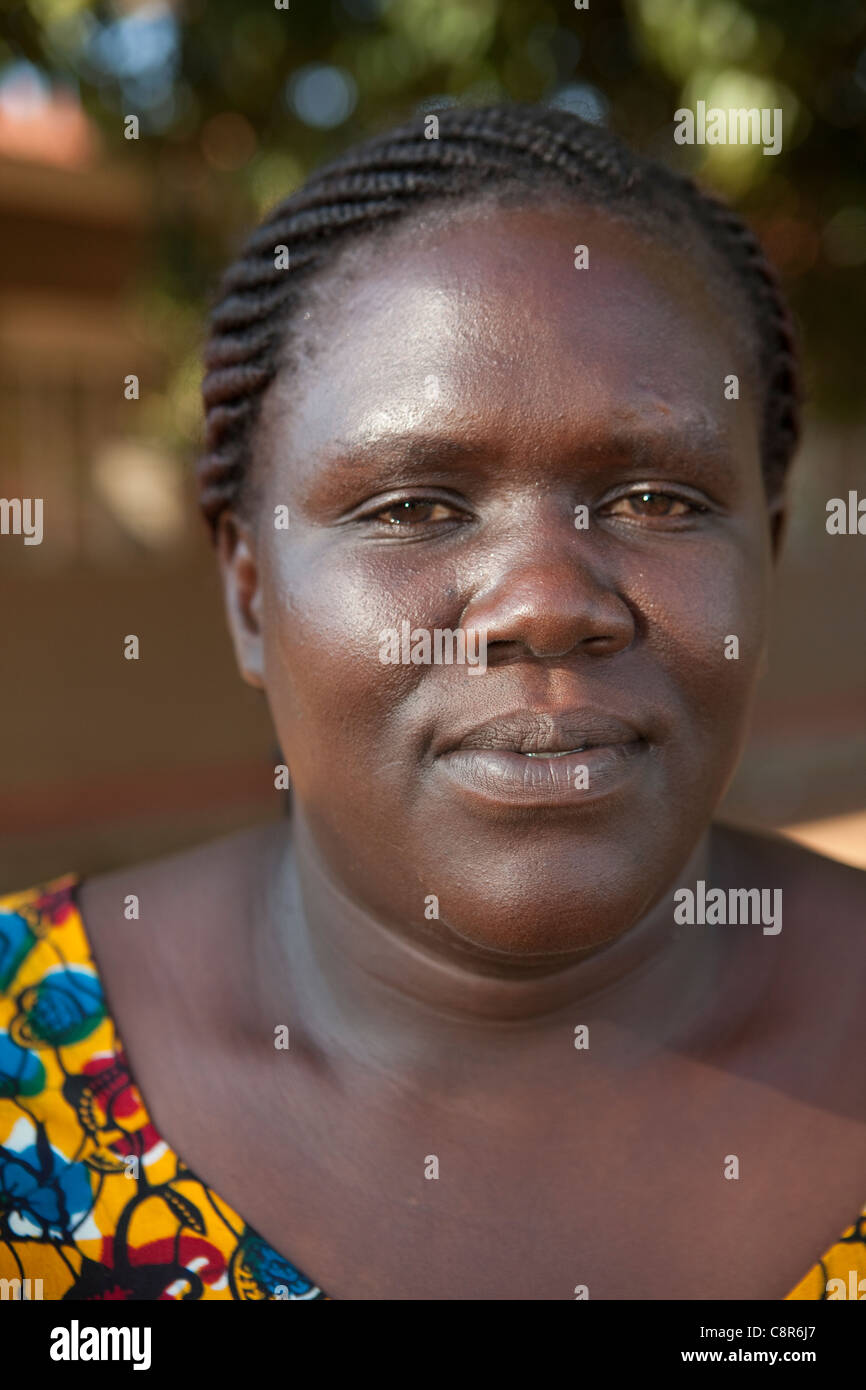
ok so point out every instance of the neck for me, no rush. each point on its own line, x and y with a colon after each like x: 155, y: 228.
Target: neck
x: 369, y: 987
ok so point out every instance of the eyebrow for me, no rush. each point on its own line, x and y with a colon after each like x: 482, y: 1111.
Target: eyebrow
x: 376, y: 459
x: 384, y: 461
x: 416, y: 450
x: 685, y: 439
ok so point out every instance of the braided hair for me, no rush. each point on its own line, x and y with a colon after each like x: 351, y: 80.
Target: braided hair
x: 499, y: 151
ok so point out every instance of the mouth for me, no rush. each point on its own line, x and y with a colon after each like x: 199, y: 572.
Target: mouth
x: 562, y: 754
x: 548, y: 733
x: 537, y: 758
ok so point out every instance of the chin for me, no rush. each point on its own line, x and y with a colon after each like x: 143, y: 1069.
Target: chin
x: 544, y: 915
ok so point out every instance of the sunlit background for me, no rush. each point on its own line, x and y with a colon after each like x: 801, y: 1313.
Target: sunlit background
x: 109, y: 247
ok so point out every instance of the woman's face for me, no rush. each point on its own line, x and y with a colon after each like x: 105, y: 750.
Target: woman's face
x: 470, y: 388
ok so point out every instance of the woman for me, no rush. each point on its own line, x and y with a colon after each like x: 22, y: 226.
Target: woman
x: 498, y: 1012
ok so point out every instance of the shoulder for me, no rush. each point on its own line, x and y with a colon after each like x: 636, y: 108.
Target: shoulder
x: 40, y: 929
x: 55, y: 1035
x: 816, y: 963
x: 186, y: 892
x: 819, y: 951
x: 51, y: 993
x: 170, y: 933
x: 797, y: 993
x: 817, y: 891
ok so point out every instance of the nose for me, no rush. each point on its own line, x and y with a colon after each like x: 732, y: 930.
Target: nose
x: 548, y: 593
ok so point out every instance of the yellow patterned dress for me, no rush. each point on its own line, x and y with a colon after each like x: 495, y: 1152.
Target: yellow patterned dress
x: 93, y: 1204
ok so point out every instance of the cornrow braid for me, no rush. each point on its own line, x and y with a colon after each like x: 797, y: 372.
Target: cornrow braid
x: 479, y: 150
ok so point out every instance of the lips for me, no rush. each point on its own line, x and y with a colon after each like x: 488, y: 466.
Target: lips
x: 541, y: 733
x: 574, y: 758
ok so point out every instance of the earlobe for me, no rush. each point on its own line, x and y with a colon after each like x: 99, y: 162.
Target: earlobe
x: 242, y: 594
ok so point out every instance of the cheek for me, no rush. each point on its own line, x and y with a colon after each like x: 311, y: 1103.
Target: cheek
x: 705, y: 621
x: 331, y: 697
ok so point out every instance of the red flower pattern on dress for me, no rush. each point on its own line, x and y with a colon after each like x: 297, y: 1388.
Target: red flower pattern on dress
x: 170, y: 1252
x: 56, y: 905
x: 118, y: 1099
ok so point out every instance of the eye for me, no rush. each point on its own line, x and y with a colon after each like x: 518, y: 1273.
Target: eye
x: 652, y: 505
x: 411, y: 511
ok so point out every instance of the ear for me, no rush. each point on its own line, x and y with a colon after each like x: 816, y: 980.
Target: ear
x: 778, y: 515
x: 241, y: 581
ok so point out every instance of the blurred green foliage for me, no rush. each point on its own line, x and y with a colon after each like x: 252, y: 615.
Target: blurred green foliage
x: 228, y: 126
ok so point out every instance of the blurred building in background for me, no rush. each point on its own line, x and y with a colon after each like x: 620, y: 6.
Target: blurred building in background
x: 107, y: 249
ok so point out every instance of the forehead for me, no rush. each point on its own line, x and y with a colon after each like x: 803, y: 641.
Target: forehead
x: 482, y: 320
